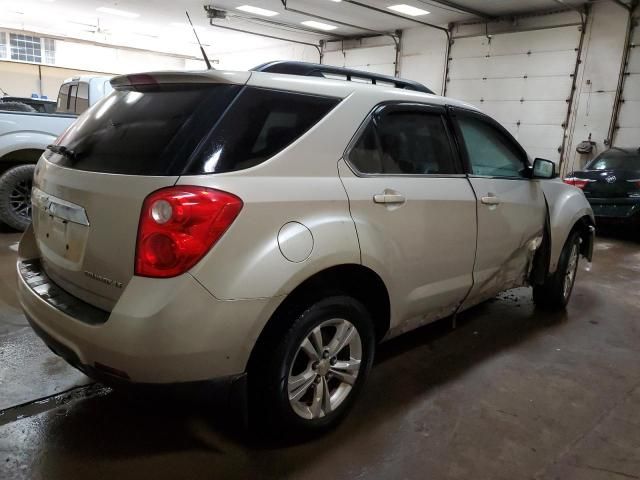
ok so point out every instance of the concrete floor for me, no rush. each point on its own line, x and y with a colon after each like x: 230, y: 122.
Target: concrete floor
x: 512, y: 393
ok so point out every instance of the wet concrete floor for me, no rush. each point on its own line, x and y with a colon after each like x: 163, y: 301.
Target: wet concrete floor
x: 512, y: 393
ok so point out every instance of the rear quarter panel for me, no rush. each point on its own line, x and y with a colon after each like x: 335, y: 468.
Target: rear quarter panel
x: 299, y: 184
x: 567, y: 205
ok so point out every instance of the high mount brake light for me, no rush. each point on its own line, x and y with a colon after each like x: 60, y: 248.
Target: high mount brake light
x: 578, y: 182
x: 179, y: 225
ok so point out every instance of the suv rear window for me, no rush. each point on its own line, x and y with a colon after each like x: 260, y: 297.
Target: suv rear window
x: 189, y: 129
x: 260, y: 124
x: 146, y: 131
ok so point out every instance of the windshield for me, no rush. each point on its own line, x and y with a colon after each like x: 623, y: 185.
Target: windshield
x: 615, y: 161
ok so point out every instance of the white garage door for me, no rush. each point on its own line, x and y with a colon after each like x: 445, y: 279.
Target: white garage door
x: 370, y: 59
x: 521, y: 79
x: 628, y: 133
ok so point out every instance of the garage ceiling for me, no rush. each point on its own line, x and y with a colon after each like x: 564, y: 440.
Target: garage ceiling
x: 161, y: 23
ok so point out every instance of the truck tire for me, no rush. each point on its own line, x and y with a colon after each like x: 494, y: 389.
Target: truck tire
x: 15, y: 196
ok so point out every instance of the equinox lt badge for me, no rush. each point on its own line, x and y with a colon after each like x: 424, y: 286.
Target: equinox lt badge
x: 102, y: 279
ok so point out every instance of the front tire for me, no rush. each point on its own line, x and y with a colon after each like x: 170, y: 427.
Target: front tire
x: 555, y: 292
x: 15, y: 196
x: 309, y: 377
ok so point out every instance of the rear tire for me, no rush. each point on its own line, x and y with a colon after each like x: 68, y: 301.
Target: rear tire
x: 555, y: 292
x: 307, y: 378
x: 15, y: 196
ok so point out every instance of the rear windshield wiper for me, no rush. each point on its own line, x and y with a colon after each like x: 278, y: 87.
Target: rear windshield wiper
x: 64, y: 151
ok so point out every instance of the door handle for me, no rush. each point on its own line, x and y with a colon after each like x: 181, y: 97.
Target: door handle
x: 490, y: 200
x: 389, y: 198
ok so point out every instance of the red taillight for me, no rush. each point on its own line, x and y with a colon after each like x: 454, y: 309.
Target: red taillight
x: 577, y: 182
x: 179, y: 225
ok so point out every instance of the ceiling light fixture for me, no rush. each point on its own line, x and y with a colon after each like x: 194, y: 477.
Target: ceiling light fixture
x: 319, y: 25
x: 408, y: 10
x: 257, y: 10
x: 119, y: 13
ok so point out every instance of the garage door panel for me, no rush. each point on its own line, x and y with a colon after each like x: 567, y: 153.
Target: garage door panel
x: 561, y: 38
x: 333, y: 58
x: 533, y: 108
x: 534, y: 65
x: 552, y: 112
x: 504, y: 112
x: 467, y: 68
x: 632, y: 88
x: 634, y: 61
x: 376, y: 59
x: 628, y: 124
x: 543, y: 113
x: 471, y: 46
x: 627, y: 137
x: 466, y: 89
x: 630, y: 115
x: 373, y: 59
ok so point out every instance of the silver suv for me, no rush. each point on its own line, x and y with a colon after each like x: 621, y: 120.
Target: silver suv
x: 268, y: 230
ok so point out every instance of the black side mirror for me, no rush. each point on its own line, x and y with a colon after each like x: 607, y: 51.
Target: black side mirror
x: 543, y: 168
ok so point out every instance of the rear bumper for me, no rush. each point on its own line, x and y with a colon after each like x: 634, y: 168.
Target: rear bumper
x: 615, y: 208
x: 160, y: 331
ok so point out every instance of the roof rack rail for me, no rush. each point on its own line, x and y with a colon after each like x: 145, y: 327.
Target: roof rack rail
x: 319, y: 70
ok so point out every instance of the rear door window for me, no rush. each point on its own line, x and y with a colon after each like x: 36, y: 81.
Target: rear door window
x: 146, y: 131
x: 260, y: 124
x: 409, y: 142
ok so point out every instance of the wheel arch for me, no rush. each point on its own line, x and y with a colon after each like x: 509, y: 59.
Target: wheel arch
x: 354, y: 280
x: 19, y: 157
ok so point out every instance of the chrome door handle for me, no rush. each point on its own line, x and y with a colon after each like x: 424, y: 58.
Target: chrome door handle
x: 389, y: 198
x: 490, y: 200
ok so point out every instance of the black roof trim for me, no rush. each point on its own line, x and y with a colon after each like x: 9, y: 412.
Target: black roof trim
x: 318, y: 70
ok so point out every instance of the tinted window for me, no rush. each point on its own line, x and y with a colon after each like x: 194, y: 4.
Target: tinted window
x: 73, y: 96
x: 365, y: 155
x: 410, y: 142
x: 148, y: 131
x: 615, y: 161
x: 82, y: 102
x: 259, y: 124
x: 63, y: 97
x: 490, y: 152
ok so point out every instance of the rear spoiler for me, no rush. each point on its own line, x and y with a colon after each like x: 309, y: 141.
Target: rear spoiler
x: 158, y: 78
x: 326, y: 71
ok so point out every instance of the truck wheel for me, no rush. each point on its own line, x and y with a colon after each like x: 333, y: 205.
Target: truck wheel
x: 15, y: 196
x: 555, y: 292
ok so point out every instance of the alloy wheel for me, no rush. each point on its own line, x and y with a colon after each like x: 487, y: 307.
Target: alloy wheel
x: 324, y: 369
x: 570, y: 274
x: 20, y: 199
